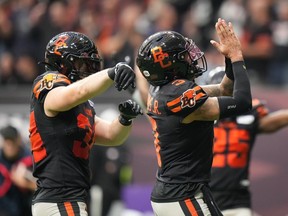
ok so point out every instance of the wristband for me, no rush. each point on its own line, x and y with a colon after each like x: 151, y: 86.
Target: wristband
x: 229, y: 68
x: 124, y: 121
x: 111, y: 73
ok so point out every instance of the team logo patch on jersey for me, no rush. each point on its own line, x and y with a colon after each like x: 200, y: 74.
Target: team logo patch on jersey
x: 159, y: 56
x: 48, y: 81
x: 188, y: 98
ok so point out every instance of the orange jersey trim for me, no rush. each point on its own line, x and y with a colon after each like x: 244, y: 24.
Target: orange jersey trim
x: 69, y: 208
x: 176, y: 103
x: 38, y: 150
x: 191, y: 207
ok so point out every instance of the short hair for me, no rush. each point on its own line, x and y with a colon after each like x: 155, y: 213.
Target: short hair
x: 9, y: 132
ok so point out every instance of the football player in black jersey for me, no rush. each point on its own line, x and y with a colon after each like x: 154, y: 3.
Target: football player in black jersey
x: 64, y: 126
x: 182, y: 114
x: 234, y: 139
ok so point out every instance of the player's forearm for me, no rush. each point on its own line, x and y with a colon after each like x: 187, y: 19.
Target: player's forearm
x: 273, y: 121
x: 241, y: 101
x: 226, y: 87
x: 91, y: 86
x: 115, y: 134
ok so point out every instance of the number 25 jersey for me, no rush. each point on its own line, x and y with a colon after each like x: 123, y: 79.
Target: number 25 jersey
x: 233, y: 143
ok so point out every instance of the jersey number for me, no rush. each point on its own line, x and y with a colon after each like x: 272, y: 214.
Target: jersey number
x: 81, y: 149
x: 231, y: 148
x: 156, y: 141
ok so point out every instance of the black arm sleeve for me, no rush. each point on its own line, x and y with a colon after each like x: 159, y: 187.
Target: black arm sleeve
x: 241, y: 101
x: 229, y: 68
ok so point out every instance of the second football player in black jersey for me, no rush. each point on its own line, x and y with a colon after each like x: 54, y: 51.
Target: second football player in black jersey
x: 182, y: 115
x: 64, y: 125
x: 234, y: 139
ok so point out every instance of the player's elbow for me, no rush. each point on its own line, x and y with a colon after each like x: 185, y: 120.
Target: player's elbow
x: 247, y: 104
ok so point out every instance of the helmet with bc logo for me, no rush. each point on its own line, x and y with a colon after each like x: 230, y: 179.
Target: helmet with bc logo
x: 168, y: 55
x: 67, y: 52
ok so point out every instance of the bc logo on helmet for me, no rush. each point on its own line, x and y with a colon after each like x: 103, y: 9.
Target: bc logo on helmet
x: 159, y: 56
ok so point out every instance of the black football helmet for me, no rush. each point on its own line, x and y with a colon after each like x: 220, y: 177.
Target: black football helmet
x: 168, y: 55
x: 67, y: 48
x: 215, y: 76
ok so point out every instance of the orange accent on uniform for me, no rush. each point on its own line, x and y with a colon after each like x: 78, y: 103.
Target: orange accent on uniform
x: 36, y: 88
x: 174, y: 102
x: 196, y: 88
x: 60, y: 43
x: 69, y: 209
x: 156, y: 141
x: 88, y: 112
x: 219, y: 147
x: 178, y: 100
x: 178, y: 82
x: 176, y: 109
x: 38, y: 150
x: 159, y: 56
x: 191, y: 207
x: 237, y: 144
x: 64, y: 79
x: 198, y: 96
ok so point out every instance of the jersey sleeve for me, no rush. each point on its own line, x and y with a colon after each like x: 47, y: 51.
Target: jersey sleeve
x: 186, y: 97
x: 46, y: 83
x: 260, y: 108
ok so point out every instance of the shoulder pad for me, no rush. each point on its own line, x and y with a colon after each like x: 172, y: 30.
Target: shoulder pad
x: 186, y: 95
x: 44, y: 83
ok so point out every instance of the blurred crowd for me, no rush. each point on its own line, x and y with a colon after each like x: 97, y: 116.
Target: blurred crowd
x: 118, y: 27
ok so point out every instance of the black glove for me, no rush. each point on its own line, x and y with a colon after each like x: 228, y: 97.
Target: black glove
x: 123, y: 75
x: 128, y: 110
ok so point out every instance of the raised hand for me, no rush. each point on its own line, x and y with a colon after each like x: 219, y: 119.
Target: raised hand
x: 128, y: 110
x: 229, y: 44
x: 123, y: 76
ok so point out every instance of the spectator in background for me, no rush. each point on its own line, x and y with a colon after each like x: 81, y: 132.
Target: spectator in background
x: 278, y: 70
x: 120, y: 47
x: 6, y: 26
x: 26, y: 69
x: 16, y: 180
x: 7, y: 69
x: 235, y: 12
x: 256, y: 39
x: 234, y: 139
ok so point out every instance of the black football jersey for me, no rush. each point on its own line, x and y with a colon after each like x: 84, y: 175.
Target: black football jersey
x: 60, y: 145
x: 184, y: 151
x: 233, y: 142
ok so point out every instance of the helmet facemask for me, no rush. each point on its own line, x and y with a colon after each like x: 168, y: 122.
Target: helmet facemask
x: 197, y: 61
x: 167, y: 55
x: 69, y: 52
x: 83, y: 66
